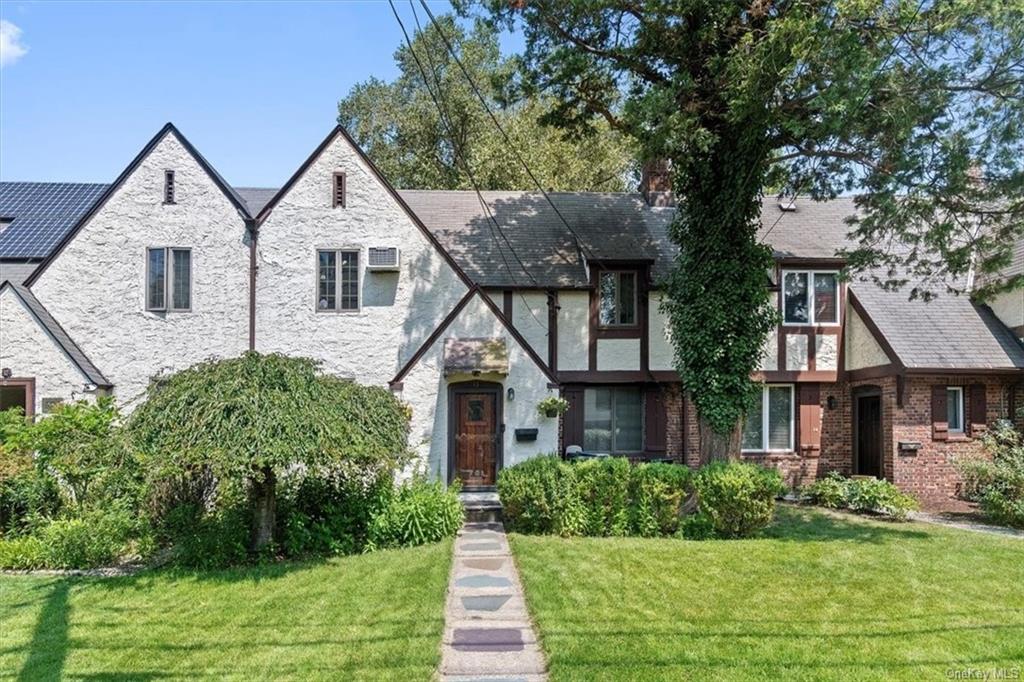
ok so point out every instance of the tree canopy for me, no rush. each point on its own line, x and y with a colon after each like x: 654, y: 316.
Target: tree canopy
x: 402, y: 130
x: 251, y: 417
x: 917, y: 105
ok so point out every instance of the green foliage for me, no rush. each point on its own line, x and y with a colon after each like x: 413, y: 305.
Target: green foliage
x: 23, y: 553
x: 28, y: 496
x: 998, y: 483
x: 552, y: 405
x: 328, y: 512
x: 861, y: 495
x: 697, y: 526
x: 399, y: 126
x: 604, y: 497
x: 657, y: 492
x: 738, y: 498
x: 416, y: 513
x: 208, y: 539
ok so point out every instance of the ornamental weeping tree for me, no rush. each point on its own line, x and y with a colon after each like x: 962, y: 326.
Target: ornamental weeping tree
x: 916, y: 105
x: 250, y: 418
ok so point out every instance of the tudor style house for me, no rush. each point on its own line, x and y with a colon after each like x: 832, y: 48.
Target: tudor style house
x: 473, y: 308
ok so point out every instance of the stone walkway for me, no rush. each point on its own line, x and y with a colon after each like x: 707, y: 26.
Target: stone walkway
x: 939, y: 520
x: 488, y: 634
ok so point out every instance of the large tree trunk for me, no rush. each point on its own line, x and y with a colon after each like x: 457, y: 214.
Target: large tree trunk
x: 264, y: 508
x: 716, y: 446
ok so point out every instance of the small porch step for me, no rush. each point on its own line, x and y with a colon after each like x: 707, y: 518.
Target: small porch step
x: 481, y: 506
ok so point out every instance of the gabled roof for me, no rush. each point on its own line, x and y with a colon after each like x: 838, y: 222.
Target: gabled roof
x: 475, y: 290
x: 40, y: 214
x: 17, y: 272
x: 61, y: 337
x: 949, y: 332
x: 168, y: 129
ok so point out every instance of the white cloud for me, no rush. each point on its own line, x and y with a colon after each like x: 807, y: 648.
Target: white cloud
x: 11, y: 49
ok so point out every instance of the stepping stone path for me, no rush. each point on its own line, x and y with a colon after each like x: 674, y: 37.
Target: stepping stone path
x: 488, y: 634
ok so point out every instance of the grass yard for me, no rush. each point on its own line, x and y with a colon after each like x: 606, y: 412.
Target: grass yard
x: 820, y: 597
x: 375, y: 616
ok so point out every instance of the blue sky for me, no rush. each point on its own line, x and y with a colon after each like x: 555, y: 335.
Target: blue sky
x: 254, y: 85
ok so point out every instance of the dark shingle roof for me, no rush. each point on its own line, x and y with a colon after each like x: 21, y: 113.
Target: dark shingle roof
x: 43, y: 213
x: 255, y: 198
x: 948, y: 332
x: 61, y: 337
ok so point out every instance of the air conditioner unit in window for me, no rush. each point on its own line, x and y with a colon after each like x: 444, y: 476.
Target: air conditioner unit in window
x: 382, y: 258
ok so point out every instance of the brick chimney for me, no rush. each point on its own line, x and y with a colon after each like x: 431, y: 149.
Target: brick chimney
x: 656, y: 183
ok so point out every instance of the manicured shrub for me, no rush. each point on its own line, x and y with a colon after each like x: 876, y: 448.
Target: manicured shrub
x: 737, y: 497
x: 657, y: 493
x: 603, y: 486
x: 697, y: 527
x: 998, y: 484
x: 416, y: 513
x: 860, y: 495
x: 540, y: 496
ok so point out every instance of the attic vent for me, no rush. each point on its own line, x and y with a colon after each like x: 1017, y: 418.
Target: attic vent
x: 787, y: 204
x: 338, y: 191
x: 168, y: 187
x: 382, y: 258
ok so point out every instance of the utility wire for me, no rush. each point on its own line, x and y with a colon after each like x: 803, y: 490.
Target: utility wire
x: 580, y: 245
x: 446, y: 122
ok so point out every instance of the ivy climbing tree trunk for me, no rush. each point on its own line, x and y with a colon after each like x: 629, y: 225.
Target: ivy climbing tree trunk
x: 264, y: 508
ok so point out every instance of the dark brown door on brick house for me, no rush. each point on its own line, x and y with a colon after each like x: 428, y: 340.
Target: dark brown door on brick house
x: 869, y: 436
x: 476, y: 438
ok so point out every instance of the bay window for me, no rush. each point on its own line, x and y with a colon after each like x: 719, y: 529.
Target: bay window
x: 613, y: 420
x: 769, y: 424
x: 810, y: 297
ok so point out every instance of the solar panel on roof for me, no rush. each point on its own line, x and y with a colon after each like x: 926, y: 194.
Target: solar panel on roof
x: 43, y: 213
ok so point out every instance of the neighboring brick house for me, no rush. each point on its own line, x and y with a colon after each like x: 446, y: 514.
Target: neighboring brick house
x: 473, y: 308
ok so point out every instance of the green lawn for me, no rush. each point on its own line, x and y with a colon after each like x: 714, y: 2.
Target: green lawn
x: 820, y: 597
x: 365, y: 617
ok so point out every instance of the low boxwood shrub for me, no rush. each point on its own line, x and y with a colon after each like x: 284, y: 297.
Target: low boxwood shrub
x: 540, y: 496
x: 738, y: 498
x: 603, y: 489
x: 416, y: 513
x: 878, y: 496
x: 657, y: 492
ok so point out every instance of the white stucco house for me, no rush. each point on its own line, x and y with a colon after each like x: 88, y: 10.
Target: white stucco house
x: 472, y: 309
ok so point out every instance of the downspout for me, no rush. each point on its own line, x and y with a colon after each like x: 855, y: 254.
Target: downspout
x: 253, y: 233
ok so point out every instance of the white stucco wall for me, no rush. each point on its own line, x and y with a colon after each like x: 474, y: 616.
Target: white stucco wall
x: 96, y: 286
x: 659, y: 347
x: 425, y: 389
x: 1009, y: 307
x: 770, y: 357
x: 861, y: 348
x: 618, y: 354
x: 796, y: 352
x: 530, y: 318
x: 398, y: 310
x: 826, y: 351
x: 573, y: 330
x: 29, y: 351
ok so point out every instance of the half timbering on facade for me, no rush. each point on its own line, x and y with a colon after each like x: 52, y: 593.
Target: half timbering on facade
x: 473, y: 309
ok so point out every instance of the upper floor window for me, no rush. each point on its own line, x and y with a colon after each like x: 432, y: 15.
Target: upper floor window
x: 617, y: 306
x: 337, y: 280
x: 338, y: 191
x: 955, y: 409
x: 810, y: 297
x: 168, y: 279
x: 613, y: 420
x: 168, y: 187
x: 769, y: 425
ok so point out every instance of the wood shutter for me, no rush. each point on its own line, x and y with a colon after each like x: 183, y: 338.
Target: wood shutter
x: 940, y: 415
x: 809, y: 417
x: 654, y: 421
x: 978, y: 410
x: 572, y: 420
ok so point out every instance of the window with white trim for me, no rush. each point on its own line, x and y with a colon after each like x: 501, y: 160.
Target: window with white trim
x: 337, y: 280
x: 617, y: 304
x: 955, y: 409
x: 168, y: 279
x: 769, y: 426
x: 810, y: 297
x: 613, y: 420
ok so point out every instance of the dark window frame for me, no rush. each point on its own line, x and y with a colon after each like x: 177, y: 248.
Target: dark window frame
x: 811, y: 276
x: 338, y: 190
x: 339, y: 281
x: 169, y: 279
x: 613, y: 450
x: 169, y: 187
x: 635, y: 324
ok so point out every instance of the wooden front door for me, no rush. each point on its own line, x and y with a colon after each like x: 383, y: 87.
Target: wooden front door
x: 476, y: 438
x: 869, y: 435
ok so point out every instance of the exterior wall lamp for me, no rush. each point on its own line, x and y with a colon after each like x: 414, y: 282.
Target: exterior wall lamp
x: 831, y: 402
x: 511, y: 394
